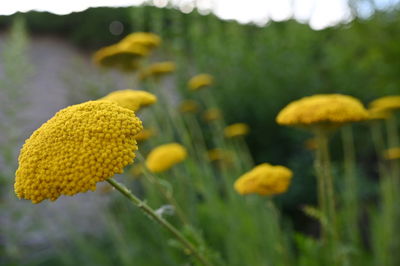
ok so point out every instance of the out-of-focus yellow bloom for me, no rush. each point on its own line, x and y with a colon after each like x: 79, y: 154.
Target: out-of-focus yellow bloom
x: 157, y: 70
x: 145, y: 39
x: 392, y: 154
x: 137, y: 170
x: 145, y: 134
x: 236, y: 130
x: 188, y: 106
x: 81, y: 145
x: 388, y: 103
x: 200, y: 81
x: 378, y: 113
x: 122, y: 57
x: 218, y: 154
x: 163, y: 157
x: 311, y: 144
x: 322, y: 109
x: 264, y: 179
x: 212, y: 114
x: 132, y: 99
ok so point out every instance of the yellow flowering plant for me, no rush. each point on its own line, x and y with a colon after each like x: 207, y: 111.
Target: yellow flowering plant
x: 122, y: 57
x: 145, y: 39
x: 200, y: 81
x: 157, y: 70
x: 265, y: 180
x: 131, y: 99
x: 388, y: 103
x: 163, y: 157
x: 321, y: 114
x: 80, y: 146
x: 236, y: 130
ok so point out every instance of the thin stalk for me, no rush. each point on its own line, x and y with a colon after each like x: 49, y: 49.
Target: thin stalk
x: 351, y: 186
x: 318, y: 165
x: 379, y: 146
x: 329, y: 184
x: 152, y: 214
x: 326, y: 179
x: 393, y: 142
x: 168, y: 196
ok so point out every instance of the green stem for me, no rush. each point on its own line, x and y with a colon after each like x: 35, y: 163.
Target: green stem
x: 329, y: 184
x: 318, y: 165
x: 379, y: 146
x: 351, y: 186
x: 152, y: 214
x: 326, y: 179
x: 393, y: 142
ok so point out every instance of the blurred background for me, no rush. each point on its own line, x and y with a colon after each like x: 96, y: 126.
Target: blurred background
x: 262, y: 55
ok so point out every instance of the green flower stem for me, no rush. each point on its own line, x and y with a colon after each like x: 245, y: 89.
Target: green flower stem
x: 166, y: 194
x: 379, y: 146
x: 169, y: 197
x: 318, y: 164
x: 326, y: 184
x: 326, y: 187
x: 152, y: 214
x: 393, y: 142
x: 351, y: 186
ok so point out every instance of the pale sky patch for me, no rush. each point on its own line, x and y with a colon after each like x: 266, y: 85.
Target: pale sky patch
x: 318, y: 14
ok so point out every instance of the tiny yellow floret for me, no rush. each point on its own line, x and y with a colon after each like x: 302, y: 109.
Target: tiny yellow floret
x: 387, y: 103
x: 236, y: 130
x: 322, y: 109
x: 200, y: 81
x: 132, y: 99
x: 81, y: 145
x: 163, y: 157
x: 157, y: 70
x: 264, y: 180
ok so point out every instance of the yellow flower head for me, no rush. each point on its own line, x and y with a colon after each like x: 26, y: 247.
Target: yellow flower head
x: 131, y: 99
x: 120, y: 56
x: 81, y: 145
x: 392, y: 154
x: 200, y: 81
x: 145, y: 39
x: 212, y: 114
x: 264, y: 179
x: 387, y: 103
x: 145, y: 134
x: 378, y: 113
x: 322, y: 109
x: 236, y: 130
x: 218, y: 154
x: 188, y: 106
x: 157, y: 70
x: 163, y: 157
